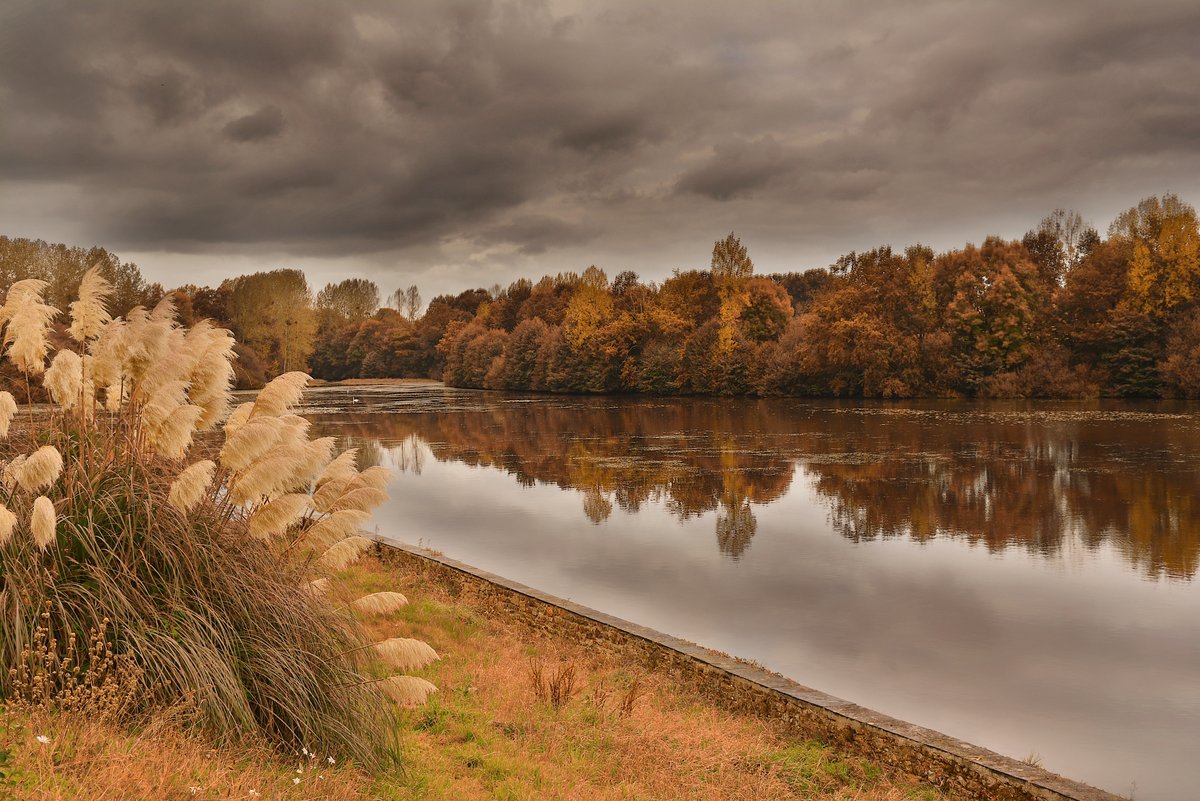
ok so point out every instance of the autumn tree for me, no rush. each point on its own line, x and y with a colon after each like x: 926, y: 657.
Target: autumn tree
x: 350, y: 301
x: 997, y: 297
x: 1163, y: 243
x: 406, y: 301
x: 1059, y: 243
x: 731, y: 270
x: 273, y: 313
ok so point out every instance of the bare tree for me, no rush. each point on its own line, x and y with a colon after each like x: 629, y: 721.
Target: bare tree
x: 407, y: 302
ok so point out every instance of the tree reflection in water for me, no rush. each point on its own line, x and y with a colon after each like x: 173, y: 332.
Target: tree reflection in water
x: 1000, y: 475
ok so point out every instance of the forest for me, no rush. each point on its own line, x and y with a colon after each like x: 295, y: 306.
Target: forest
x: 1061, y: 313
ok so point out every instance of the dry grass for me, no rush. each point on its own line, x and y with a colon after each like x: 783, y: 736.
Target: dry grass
x: 492, y: 731
x: 85, y: 759
x: 197, y: 578
x: 517, y: 717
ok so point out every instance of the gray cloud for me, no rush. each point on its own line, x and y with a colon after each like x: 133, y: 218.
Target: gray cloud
x: 482, y: 140
x: 262, y: 124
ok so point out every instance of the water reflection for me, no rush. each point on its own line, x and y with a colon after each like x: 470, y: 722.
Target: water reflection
x: 1016, y: 576
x: 1001, y: 476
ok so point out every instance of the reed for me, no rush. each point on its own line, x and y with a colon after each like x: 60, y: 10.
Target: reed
x: 205, y: 562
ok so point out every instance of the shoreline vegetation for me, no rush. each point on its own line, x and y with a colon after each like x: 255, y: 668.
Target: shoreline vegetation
x: 615, y: 732
x: 185, y: 611
x: 1060, y: 313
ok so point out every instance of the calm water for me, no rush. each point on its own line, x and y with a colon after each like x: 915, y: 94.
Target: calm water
x: 1022, y: 576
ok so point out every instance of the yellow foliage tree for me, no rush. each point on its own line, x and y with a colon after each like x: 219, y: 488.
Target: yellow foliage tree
x: 273, y: 313
x: 1164, y: 262
x: 731, y: 271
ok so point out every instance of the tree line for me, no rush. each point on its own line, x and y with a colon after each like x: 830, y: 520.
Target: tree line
x: 1062, y: 312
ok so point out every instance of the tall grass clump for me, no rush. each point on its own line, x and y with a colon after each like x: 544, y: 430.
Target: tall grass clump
x: 199, y: 549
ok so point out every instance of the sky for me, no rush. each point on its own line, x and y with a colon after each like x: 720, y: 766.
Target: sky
x: 455, y: 144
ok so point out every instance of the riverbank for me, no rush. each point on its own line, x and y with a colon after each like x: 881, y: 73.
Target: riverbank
x: 619, y: 732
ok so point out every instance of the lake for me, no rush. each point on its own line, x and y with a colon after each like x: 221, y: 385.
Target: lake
x: 1019, y: 575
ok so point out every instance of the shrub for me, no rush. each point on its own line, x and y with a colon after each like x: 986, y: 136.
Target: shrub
x: 200, y: 560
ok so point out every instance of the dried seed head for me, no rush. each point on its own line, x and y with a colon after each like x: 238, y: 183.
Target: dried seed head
x: 64, y: 379
x: 334, y: 528
x: 237, y: 418
x: 89, y: 314
x: 41, y: 469
x: 8, y: 408
x: 9, y: 474
x: 211, y: 352
x: 8, y: 522
x: 343, y: 468
x: 380, y: 603
x: 276, y: 517
x: 319, y: 587
x: 28, y: 321
x: 280, y: 395
x: 189, y: 487
x: 407, y: 690
x: 343, y: 553
x: 44, y: 523
x: 406, y: 653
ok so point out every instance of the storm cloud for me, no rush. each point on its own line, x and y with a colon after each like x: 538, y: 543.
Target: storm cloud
x: 458, y: 143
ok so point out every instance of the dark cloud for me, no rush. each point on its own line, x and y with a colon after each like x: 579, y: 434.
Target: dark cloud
x: 482, y: 140
x: 262, y: 124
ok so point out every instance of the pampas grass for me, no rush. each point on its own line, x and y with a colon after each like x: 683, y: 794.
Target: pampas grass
x: 189, y: 487
x: 405, y: 653
x: 8, y: 408
x: 64, y: 379
x: 379, y: 603
x: 28, y: 324
x: 206, y: 574
x: 43, y: 523
x: 407, y: 690
x: 8, y: 523
x: 89, y: 313
x: 342, y: 554
x: 39, y: 470
x: 280, y: 395
x: 275, y: 517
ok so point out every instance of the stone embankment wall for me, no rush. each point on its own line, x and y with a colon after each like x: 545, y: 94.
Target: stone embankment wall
x: 955, y: 767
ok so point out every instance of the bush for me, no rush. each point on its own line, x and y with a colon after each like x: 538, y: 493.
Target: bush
x: 204, y: 575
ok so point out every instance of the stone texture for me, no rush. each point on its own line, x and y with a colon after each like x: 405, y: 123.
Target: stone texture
x: 955, y: 767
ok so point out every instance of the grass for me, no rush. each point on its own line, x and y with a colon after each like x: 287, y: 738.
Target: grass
x: 497, y: 729
x: 489, y: 733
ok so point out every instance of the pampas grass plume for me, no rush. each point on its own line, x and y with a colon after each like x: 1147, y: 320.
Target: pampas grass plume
x: 280, y: 395
x: 64, y: 379
x: 8, y: 522
x: 406, y: 653
x: 319, y: 587
x: 343, y: 468
x: 237, y: 418
x: 363, y: 499
x: 211, y: 350
x: 334, y: 528
x: 278, y: 516
x: 28, y: 323
x: 89, y: 314
x: 8, y: 408
x: 380, y: 603
x: 189, y: 487
x: 9, y: 474
x: 343, y: 553
x: 44, y: 523
x: 407, y: 690
x: 39, y: 470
